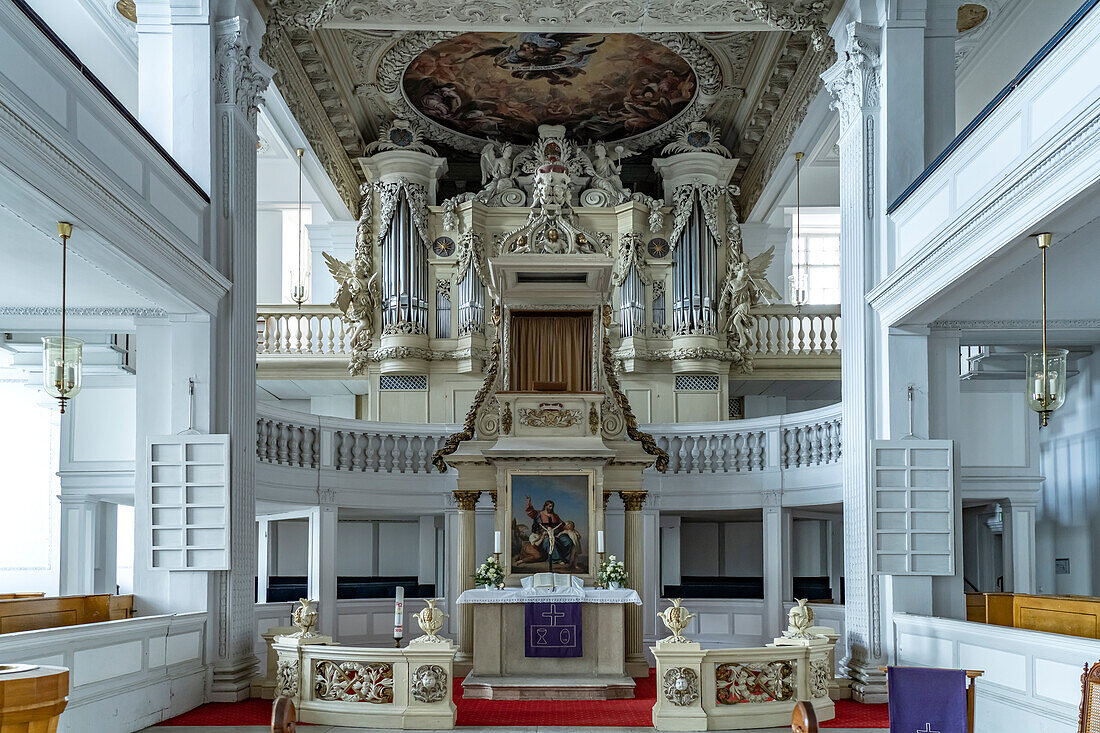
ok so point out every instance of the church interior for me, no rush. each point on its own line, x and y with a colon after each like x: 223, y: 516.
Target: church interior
x: 681, y: 365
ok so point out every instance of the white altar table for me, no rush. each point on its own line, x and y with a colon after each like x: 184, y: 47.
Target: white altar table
x: 501, y: 670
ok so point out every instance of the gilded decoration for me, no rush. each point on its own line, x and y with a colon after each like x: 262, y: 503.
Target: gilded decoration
x: 429, y: 683
x: 754, y: 682
x: 502, y: 86
x: 506, y: 419
x: 633, y: 500
x: 681, y: 685
x: 353, y: 682
x: 466, y: 500
x: 548, y: 415
x: 593, y: 419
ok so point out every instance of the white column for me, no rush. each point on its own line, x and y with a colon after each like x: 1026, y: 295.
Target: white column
x: 426, y: 569
x: 240, y: 79
x: 634, y: 560
x: 778, y: 583
x: 1019, y: 546
x: 106, y: 548
x: 465, y: 564
x: 323, y: 526
x: 836, y: 556
x: 854, y: 84
x: 78, y: 544
x: 263, y: 558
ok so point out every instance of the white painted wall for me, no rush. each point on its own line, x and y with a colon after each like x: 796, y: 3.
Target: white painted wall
x: 1070, y: 499
x: 112, y: 57
x: 732, y: 549
x: 1004, y: 51
x: 385, y: 548
x: 269, y: 256
x: 30, y: 525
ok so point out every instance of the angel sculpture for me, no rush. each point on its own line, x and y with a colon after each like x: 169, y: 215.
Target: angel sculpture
x: 357, y: 297
x: 607, y: 173
x: 497, y: 173
x: 747, y: 285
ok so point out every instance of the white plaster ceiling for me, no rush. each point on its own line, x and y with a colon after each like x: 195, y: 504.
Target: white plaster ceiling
x: 31, y: 273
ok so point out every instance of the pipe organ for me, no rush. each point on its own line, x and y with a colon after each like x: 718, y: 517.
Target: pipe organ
x: 404, y: 274
x: 695, y: 276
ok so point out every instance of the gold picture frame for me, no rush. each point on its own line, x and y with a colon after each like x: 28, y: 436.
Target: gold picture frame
x: 573, y: 495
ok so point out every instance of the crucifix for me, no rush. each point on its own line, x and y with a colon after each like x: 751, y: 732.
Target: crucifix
x: 554, y: 614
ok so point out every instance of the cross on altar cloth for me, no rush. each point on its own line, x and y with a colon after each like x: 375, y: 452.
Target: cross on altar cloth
x: 552, y: 629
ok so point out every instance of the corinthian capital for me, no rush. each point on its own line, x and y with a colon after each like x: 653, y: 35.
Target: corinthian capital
x: 240, y: 77
x: 853, y: 81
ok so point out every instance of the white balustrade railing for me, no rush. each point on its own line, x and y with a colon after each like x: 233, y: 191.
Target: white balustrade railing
x: 797, y: 440
x: 784, y: 330
x: 314, y: 329
x: 290, y: 438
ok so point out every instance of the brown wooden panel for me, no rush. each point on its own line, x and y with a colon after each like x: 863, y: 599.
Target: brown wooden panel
x: 40, y: 620
x: 998, y: 609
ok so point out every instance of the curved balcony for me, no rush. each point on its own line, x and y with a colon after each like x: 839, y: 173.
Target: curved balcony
x: 303, y: 459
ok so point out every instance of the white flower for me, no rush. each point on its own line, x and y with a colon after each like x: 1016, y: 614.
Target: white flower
x: 611, y: 558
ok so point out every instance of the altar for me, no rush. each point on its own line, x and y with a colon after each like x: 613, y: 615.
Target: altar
x: 522, y: 655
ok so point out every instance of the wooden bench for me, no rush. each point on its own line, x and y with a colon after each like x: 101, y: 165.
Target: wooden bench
x: 29, y: 614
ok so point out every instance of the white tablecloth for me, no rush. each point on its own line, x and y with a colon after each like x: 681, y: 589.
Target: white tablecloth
x: 543, y: 595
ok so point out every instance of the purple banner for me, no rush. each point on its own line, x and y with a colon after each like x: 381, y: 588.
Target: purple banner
x: 927, y: 700
x: 552, y: 629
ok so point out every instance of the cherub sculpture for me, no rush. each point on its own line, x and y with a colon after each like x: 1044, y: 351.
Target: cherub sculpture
x: 747, y: 285
x: 357, y: 296
x: 498, y: 173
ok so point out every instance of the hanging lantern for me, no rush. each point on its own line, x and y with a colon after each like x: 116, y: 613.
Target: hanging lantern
x: 1046, y: 369
x: 62, y: 356
x: 298, y: 287
x: 798, y: 282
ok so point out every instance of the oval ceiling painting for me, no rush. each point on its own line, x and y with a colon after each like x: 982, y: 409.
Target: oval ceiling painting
x: 504, y: 85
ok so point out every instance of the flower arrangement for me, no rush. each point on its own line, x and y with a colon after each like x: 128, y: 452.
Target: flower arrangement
x: 612, y: 573
x: 490, y: 573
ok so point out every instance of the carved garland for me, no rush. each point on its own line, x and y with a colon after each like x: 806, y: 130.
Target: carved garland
x: 467, y: 432
x: 754, y: 682
x: 353, y: 682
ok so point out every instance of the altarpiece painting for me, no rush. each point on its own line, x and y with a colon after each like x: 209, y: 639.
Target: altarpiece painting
x: 550, y: 521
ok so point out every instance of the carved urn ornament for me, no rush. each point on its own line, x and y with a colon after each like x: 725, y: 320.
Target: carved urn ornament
x: 431, y: 621
x: 676, y: 618
x: 305, y: 618
x: 799, y: 619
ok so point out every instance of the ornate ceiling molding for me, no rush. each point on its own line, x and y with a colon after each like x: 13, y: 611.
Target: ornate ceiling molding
x: 301, y: 97
x: 795, y: 81
x: 625, y: 16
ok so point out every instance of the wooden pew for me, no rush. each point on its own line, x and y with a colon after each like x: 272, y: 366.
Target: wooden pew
x: 29, y: 614
x: 1070, y: 615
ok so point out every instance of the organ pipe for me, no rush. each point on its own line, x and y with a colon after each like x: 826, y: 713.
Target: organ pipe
x: 695, y: 278
x: 404, y: 274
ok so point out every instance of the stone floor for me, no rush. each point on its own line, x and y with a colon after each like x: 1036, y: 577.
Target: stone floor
x: 532, y: 729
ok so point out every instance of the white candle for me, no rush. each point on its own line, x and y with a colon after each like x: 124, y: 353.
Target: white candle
x: 599, y: 541
x: 496, y: 542
x: 399, y: 611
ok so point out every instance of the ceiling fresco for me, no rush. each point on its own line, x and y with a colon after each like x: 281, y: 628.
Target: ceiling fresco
x: 504, y: 85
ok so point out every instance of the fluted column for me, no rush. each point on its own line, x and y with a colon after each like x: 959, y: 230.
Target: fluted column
x: 854, y: 83
x: 239, y: 82
x: 636, y: 663
x: 466, y: 563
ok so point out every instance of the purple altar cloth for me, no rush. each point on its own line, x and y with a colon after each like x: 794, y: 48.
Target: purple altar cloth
x: 552, y: 629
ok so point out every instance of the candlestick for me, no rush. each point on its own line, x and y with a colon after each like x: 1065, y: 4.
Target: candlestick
x: 599, y: 541
x: 496, y: 543
x: 399, y: 616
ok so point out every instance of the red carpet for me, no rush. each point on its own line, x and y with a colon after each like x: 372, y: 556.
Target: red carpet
x: 618, y: 713
x: 509, y: 713
x: 851, y: 714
